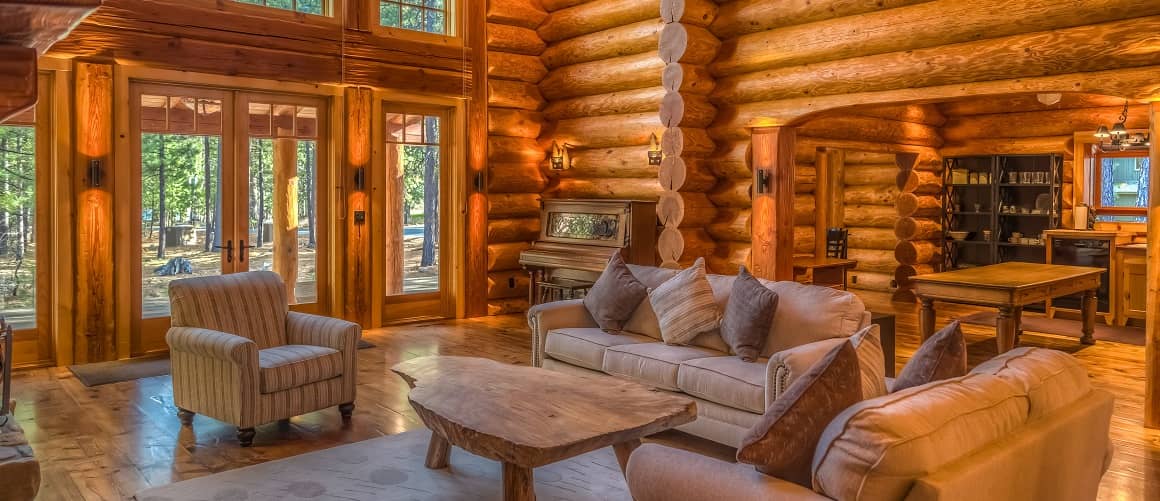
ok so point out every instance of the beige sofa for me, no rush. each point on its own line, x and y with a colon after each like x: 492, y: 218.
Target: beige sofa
x: 731, y: 394
x: 1026, y: 425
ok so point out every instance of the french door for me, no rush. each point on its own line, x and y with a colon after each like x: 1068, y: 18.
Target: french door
x: 227, y: 181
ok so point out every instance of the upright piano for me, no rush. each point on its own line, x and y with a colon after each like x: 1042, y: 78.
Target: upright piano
x: 578, y: 236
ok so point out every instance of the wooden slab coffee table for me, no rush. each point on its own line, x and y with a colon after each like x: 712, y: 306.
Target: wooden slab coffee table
x: 527, y: 417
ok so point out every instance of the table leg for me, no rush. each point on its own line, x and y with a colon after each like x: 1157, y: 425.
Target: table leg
x: 1018, y: 314
x: 517, y: 483
x: 1005, y: 327
x: 623, y: 450
x: 1089, y: 317
x: 438, y: 452
x: 926, y: 318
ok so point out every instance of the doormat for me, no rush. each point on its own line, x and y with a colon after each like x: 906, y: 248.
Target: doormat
x: 117, y: 371
x: 1064, y: 327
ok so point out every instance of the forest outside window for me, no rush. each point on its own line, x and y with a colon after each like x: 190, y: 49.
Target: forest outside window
x: 1120, y: 186
x: 428, y: 16
x: 317, y: 7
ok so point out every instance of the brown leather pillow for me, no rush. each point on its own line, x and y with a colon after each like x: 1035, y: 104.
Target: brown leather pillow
x: 615, y: 295
x: 748, y: 316
x: 943, y: 356
x: 782, y: 443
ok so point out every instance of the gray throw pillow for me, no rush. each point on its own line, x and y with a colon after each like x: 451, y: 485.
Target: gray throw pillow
x: 943, y: 356
x: 615, y: 295
x: 748, y: 316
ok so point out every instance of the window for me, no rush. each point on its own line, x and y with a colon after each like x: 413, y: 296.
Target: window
x: 317, y: 7
x: 1121, y: 186
x: 18, y: 242
x: 415, y: 158
x: 429, y: 16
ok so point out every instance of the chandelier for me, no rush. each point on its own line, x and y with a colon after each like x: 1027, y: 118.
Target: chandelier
x: 1118, y: 138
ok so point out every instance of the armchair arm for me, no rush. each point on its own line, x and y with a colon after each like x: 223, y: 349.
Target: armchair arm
x: 660, y: 473
x: 213, y: 344
x: 786, y: 366
x: 317, y: 330
x: 555, y: 315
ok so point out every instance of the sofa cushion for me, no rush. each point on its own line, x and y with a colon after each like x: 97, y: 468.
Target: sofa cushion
x: 867, y: 342
x: 725, y: 380
x: 293, y: 365
x: 808, y: 313
x: 684, y: 305
x: 878, y: 447
x: 747, y: 316
x: 584, y: 346
x: 1052, y: 379
x: 782, y: 443
x: 654, y: 364
x: 943, y: 356
x: 615, y: 295
x: 644, y: 319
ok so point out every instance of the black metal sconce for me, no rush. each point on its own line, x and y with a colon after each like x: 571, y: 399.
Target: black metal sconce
x: 762, y: 181
x: 654, y: 150
x: 560, y: 159
x: 95, y: 173
x: 360, y: 178
x: 480, y: 184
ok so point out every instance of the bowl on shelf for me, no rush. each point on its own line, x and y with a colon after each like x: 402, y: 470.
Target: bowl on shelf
x: 958, y: 235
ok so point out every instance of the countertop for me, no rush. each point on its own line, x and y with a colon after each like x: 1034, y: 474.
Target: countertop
x: 1086, y: 233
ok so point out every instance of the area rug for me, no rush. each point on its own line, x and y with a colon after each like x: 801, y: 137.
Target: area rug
x: 391, y: 467
x: 100, y: 373
x: 1063, y: 327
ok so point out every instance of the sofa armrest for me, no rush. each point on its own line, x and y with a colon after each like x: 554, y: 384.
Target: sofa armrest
x: 213, y: 344
x: 786, y: 366
x: 555, y: 315
x: 317, y: 330
x: 660, y: 473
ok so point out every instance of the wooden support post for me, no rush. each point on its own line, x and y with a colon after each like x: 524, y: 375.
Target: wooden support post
x: 1152, y: 339
x: 286, y: 213
x: 474, y: 300
x: 359, y: 303
x: 94, y: 314
x: 772, y: 218
x: 395, y: 223
x: 830, y: 206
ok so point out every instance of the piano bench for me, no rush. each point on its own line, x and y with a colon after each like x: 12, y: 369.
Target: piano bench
x: 559, y: 289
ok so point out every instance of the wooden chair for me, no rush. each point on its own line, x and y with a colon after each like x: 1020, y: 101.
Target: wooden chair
x: 836, y: 242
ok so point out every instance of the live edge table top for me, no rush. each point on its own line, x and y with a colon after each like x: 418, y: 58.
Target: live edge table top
x: 1010, y: 276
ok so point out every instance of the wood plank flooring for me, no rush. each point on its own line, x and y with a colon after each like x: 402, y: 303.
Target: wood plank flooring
x: 110, y: 441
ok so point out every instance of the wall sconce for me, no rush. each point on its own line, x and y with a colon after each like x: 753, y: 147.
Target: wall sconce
x: 360, y: 178
x: 95, y: 173
x: 560, y: 158
x: 762, y: 181
x: 654, y: 150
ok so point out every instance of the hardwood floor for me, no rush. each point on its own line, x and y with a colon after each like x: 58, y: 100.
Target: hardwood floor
x: 110, y: 441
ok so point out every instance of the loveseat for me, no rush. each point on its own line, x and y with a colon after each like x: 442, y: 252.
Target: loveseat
x: 1026, y: 425
x: 731, y: 394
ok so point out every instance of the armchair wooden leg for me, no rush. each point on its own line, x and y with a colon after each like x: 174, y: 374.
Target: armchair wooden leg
x: 186, y: 416
x: 346, y: 409
x: 246, y: 436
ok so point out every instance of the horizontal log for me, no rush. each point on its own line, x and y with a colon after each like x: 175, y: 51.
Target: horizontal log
x: 926, y: 114
x: 742, y: 17
x: 643, y: 100
x: 1041, y: 123
x: 555, y: 5
x: 685, y: 174
x: 918, y: 252
x: 873, y: 174
x: 516, y: 178
x: 915, y: 228
x: 924, y: 24
x: 912, y: 205
x: 919, y: 181
x: 686, y: 110
x: 514, y: 122
x: 602, y: 77
x: 682, y: 43
x: 903, y: 295
x: 679, y: 247
x: 635, y: 38
x: 988, y: 105
x: 872, y: 238
x: 687, y: 79
x: 513, y: 205
x: 633, y: 129
x: 630, y: 161
x: 505, y: 256
x: 507, y: 284
x: 729, y: 257
x: 518, y: 67
x: 873, y: 216
x: 806, y: 147
x: 903, y: 273
x: 881, y: 261
x: 1068, y: 171
x: 731, y: 160
x: 803, y: 239
x: 522, y: 13
x: 507, y: 94
x: 871, y: 281
x: 867, y: 158
x: 684, y: 141
x: 514, y: 149
x: 513, y: 230
x: 731, y: 225
x: 870, y: 194
x: 1010, y: 146
x: 509, y: 306
x: 621, y: 188
x: 685, y: 210
x: 692, y: 12
x: 591, y: 17
x: 514, y: 39
x: 735, y: 192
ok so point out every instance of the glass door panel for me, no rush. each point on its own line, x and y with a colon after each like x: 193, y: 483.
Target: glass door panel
x: 18, y: 228
x: 414, y: 166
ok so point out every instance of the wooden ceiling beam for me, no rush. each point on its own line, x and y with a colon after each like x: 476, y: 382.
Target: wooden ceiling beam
x: 38, y: 24
x: 17, y: 80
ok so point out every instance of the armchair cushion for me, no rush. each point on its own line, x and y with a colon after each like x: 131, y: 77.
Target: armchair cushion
x: 251, y: 305
x: 727, y: 381
x: 294, y: 365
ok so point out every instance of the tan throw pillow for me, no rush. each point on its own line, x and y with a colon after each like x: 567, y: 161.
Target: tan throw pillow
x: 867, y: 342
x: 782, y: 442
x: 615, y: 295
x: 943, y: 356
x: 748, y: 315
x: 684, y: 305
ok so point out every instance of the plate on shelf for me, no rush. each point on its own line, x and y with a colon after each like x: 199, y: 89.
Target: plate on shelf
x: 958, y: 235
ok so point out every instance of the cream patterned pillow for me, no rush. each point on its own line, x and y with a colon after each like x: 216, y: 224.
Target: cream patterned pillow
x: 684, y: 305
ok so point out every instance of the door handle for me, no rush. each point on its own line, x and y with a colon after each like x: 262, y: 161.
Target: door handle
x: 229, y: 247
x: 242, y: 249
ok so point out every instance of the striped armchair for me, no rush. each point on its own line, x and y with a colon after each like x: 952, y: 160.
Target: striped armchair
x: 240, y: 356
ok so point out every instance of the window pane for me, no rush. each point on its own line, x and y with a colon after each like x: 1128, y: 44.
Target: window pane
x: 412, y: 18
x: 416, y: 168
x: 310, y: 6
x: 1125, y: 182
x: 280, y: 4
x: 434, y: 21
x: 389, y: 14
x: 419, y: 15
x: 17, y: 225
x: 306, y: 287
